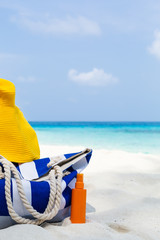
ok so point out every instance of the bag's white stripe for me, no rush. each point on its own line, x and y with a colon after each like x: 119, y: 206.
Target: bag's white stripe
x: 63, y: 185
x: 72, y: 183
x: 80, y: 165
x: 17, y: 202
x: 28, y: 171
x: 63, y: 203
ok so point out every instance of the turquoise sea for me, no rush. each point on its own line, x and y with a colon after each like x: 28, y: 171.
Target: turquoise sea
x: 129, y: 136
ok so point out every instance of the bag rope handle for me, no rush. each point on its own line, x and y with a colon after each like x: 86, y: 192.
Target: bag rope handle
x: 55, y: 178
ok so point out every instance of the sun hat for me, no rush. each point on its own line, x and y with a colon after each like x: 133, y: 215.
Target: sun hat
x: 18, y: 140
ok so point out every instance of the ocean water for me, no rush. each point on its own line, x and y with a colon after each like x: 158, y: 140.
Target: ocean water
x: 128, y: 136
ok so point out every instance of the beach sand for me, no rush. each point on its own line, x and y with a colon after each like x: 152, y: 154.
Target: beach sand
x: 123, y: 199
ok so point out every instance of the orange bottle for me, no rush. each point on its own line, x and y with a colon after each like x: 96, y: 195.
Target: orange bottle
x: 78, y: 201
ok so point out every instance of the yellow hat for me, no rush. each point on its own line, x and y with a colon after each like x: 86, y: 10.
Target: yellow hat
x: 18, y: 140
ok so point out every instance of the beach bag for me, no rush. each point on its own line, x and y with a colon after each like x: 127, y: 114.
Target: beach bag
x: 36, y: 184
x: 18, y: 140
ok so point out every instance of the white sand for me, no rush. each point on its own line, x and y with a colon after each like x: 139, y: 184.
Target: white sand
x: 123, y: 200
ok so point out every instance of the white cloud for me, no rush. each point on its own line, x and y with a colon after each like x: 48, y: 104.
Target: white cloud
x: 97, y: 77
x: 26, y: 79
x: 49, y: 25
x: 155, y: 46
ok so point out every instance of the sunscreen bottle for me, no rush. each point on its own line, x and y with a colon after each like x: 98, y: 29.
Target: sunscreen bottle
x: 78, y: 201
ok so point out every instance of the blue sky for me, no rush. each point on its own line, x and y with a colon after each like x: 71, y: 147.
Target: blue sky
x: 82, y: 60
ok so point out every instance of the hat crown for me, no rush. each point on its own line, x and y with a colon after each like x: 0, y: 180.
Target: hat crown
x: 7, y: 92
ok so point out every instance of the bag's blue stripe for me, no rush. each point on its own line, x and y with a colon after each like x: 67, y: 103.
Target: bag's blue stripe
x: 18, y: 168
x: 88, y: 156
x: 69, y: 177
x: 41, y: 166
x: 3, y: 204
x: 40, y: 195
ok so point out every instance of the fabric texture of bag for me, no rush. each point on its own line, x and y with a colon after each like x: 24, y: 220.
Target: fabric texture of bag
x: 37, y: 187
x: 18, y: 140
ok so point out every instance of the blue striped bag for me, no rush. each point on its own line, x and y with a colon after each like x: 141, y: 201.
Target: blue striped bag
x: 36, y: 186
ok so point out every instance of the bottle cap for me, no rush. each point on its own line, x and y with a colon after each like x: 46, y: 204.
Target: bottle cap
x: 79, y: 182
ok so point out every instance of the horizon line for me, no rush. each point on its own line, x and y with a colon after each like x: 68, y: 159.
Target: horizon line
x: 84, y: 121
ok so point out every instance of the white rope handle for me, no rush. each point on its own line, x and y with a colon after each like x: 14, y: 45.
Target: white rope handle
x: 55, y: 177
